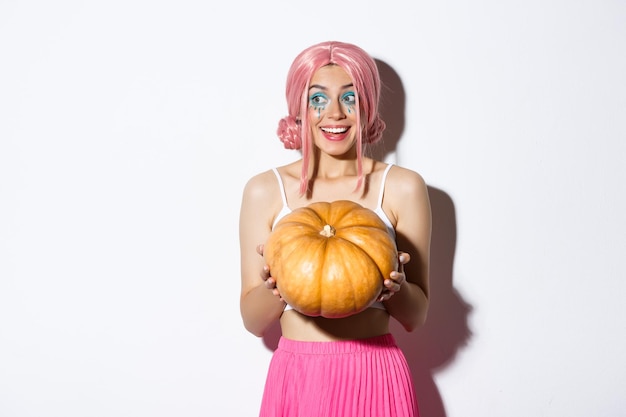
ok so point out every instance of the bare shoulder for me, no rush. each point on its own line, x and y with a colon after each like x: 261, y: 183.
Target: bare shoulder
x: 404, y: 181
x: 260, y: 186
x: 262, y: 199
x: 406, y: 195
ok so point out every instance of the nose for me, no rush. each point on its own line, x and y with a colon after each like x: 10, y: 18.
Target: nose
x: 336, y: 110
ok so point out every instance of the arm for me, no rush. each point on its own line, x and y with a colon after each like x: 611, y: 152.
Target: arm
x: 409, y: 204
x: 260, y: 203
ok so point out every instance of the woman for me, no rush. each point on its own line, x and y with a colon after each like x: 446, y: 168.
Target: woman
x: 348, y: 366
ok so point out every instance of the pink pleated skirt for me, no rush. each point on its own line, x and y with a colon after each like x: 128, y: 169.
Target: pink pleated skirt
x: 355, y: 378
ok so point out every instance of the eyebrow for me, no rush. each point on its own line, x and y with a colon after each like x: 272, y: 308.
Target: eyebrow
x: 321, y: 87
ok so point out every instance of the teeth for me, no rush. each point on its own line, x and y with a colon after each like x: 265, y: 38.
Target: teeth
x: 335, y: 129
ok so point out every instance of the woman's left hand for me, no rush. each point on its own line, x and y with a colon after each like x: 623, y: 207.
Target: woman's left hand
x: 393, y: 284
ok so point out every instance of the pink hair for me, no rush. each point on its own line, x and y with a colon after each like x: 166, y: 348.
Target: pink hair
x: 294, y: 131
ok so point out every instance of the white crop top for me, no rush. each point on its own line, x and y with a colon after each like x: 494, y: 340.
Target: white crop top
x: 378, y: 210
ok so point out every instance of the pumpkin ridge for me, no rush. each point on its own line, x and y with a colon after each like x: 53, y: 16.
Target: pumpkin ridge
x: 341, y: 249
x: 287, y: 240
x: 298, y: 225
x: 361, y: 227
x: 322, y: 248
x: 357, y: 216
x: 373, y: 247
x: 315, y: 211
x: 297, y: 290
x: 369, y: 257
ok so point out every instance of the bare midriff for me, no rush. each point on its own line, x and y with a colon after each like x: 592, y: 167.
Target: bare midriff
x: 369, y: 323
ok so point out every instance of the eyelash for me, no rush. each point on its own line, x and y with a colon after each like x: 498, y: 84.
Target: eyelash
x: 318, y: 100
x: 349, y: 99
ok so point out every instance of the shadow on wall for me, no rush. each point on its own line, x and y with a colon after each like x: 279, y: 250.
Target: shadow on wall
x: 435, y: 345
x: 391, y: 110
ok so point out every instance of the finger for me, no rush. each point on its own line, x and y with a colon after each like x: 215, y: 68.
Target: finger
x: 403, y: 257
x: 392, y: 285
x: 259, y: 249
x: 399, y: 278
x: 265, y: 272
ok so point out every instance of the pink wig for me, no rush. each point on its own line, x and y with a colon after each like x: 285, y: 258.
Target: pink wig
x: 294, y: 131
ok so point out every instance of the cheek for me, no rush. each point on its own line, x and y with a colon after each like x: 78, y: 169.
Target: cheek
x: 315, y: 113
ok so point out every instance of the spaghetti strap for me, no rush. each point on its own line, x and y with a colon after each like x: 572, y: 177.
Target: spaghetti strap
x: 282, y: 187
x: 285, y: 209
x: 382, y: 186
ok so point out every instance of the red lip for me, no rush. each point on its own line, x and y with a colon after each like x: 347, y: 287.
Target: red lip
x: 335, y: 136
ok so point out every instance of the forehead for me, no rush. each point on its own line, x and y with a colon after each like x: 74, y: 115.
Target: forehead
x: 331, y: 75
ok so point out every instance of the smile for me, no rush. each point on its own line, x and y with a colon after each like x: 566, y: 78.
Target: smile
x: 335, y: 130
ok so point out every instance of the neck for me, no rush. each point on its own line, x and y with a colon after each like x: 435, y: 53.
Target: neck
x: 330, y: 167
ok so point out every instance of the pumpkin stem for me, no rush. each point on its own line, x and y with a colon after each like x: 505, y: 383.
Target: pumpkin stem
x: 328, y: 231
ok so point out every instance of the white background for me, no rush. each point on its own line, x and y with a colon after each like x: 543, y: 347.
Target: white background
x: 128, y: 129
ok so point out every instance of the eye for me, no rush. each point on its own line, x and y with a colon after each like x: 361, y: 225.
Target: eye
x: 349, y: 98
x: 318, y: 100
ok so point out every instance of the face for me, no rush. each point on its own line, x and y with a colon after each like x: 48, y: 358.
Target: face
x: 332, y: 110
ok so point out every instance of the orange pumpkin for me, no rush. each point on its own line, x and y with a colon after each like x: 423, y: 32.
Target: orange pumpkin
x: 330, y: 259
